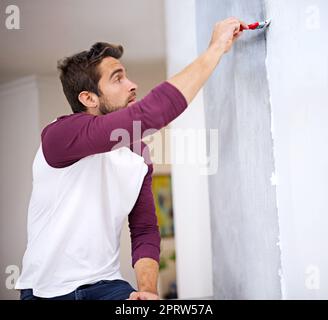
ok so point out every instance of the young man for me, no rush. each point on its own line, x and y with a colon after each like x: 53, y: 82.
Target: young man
x: 91, y: 172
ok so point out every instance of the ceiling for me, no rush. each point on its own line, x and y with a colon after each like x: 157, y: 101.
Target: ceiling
x: 53, y: 29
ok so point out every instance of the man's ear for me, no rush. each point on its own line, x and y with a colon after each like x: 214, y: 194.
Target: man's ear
x: 89, y: 99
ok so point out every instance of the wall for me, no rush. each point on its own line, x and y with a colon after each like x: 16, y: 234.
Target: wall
x: 297, y: 63
x: 19, y: 135
x: 246, y: 257
x: 25, y: 106
x: 268, y: 99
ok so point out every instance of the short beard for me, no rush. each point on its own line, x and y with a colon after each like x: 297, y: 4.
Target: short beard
x: 105, y: 108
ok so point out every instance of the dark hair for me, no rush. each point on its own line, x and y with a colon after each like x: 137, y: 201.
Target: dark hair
x: 80, y: 72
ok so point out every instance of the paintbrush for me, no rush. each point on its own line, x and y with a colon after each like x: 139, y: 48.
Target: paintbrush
x: 257, y: 25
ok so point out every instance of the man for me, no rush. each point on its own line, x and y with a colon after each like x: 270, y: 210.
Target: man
x: 85, y: 182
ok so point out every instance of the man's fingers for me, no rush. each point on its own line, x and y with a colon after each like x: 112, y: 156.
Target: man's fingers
x: 244, y: 25
x: 133, y: 296
x: 241, y: 24
x: 143, y: 296
x: 237, y: 29
x: 237, y: 36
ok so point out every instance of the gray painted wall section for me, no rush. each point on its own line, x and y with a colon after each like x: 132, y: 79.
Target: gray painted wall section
x: 244, y: 220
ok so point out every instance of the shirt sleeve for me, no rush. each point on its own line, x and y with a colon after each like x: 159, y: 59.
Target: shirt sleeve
x: 79, y: 135
x: 143, y: 224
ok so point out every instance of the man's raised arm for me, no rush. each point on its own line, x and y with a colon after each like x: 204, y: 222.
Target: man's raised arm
x: 190, y: 80
x: 71, y: 139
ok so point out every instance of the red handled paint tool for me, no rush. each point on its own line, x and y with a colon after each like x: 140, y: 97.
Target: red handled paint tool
x: 258, y: 25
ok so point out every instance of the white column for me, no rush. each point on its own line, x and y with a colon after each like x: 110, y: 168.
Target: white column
x: 190, y: 188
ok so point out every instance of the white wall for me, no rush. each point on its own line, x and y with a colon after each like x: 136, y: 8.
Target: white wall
x: 25, y: 105
x: 297, y: 65
x: 18, y: 136
x: 190, y: 189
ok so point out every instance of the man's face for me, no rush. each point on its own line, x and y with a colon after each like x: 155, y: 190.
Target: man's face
x: 116, y: 90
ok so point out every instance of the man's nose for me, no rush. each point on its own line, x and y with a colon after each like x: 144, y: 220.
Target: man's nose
x: 133, y: 86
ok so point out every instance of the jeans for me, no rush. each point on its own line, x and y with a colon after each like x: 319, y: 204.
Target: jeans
x: 101, y: 290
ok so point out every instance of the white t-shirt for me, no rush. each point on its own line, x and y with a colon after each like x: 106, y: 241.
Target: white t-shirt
x: 73, y: 242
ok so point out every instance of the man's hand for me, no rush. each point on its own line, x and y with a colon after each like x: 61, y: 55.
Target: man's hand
x: 147, y: 274
x: 192, y: 78
x: 142, y: 295
x: 226, y: 32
